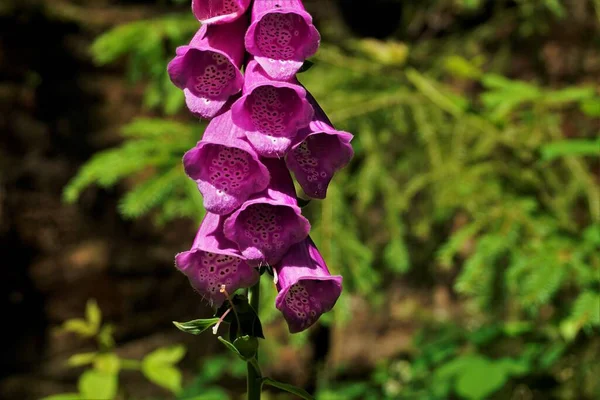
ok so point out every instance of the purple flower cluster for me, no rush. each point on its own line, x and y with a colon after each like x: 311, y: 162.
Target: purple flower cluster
x: 263, y: 124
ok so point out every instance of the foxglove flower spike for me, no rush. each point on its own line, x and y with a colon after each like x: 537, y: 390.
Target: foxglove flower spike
x: 267, y: 224
x: 214, y: 261
x: 225, y: 167
x: 208, y: 69
x: 281, y: 36
x: 306, y: 288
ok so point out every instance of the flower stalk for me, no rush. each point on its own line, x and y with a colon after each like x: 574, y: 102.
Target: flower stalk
x: 239, y: 72
x: 254, y: 375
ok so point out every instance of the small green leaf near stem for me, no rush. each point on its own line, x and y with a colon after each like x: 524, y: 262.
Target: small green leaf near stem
x: 196, y: 326
x: 288, y: 388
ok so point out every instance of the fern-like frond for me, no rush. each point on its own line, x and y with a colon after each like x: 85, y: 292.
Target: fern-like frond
x: 125, y: 39
x: 151, y: 193
x: 586, y: 309
x: 108, y: 167
x: 154, y: 146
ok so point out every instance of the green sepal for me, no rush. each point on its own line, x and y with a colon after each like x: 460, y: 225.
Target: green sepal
x: 288, y: 388
x: 265, y: 268
x: 197, y: 326
x: 230, y: 346
x: 249, y: 323
x: 247, y: 346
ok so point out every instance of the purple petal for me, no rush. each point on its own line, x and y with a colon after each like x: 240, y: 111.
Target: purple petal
x: 208, y: 69
x: 306, y: 288
x: 318, y: 152
x: 281, y: 36
x: 219, y: 11
x: 213, y: 261
x: 225, y: 166
x: 267, y: 224
x: 271, y: 111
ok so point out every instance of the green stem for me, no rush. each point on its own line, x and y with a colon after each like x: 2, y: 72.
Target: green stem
x: 254, y: 375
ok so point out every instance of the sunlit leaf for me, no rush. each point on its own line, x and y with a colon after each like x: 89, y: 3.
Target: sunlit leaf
x: 197, y: 326
x: 158, y: 367
x: 571, y: 147
x: 108, y: 363
x: 78, y: 360
x: 80, y: 327
x: 97, y: 385
x: 93, y: 314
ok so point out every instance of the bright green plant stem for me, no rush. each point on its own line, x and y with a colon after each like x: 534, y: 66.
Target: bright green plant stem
x: 254, y: 377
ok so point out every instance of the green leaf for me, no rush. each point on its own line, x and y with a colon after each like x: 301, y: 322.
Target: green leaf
x: 461, y: 67
x: 166, y: 355
x: 130, y: 364
x: 109, y: 363
x: 552, y: 355
x: 484, y: 335
x: 93, y: 314
x: 571, y: 147
x: 197, y: 326
x: 556, y: 8
x: 391, y: 53
x: 163, y: 130
x: 471, y: 4
x: 105, y: 336
x: 517, y: 328
x: 503, y: 95
x: 165, y: 376
x: 396, y: 256
x: 213, y: 368
x: 569, y: 95
x: 79, y: 326
x: 452, y: 368
x: 97, y: 385
x: 106, y: 168
x: 444, y: 99
x: 64, y: 396
x: 303, y: 394
x: 266, y: 268
x: 158, y: 367
x: 247, y: 346
x: 151, y: 193
x: 248, y: 318
x: 586, y: 309
x: 77, y: 360
x: 512, y: 366
x: 231, y: 347
x: 569, y: 329
x: 591, y: 107
x: 123, y: 39
x: 479, y: 378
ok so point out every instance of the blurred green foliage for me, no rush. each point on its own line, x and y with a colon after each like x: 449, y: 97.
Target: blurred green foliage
x: 101, y: 380
x: 461, y: 175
